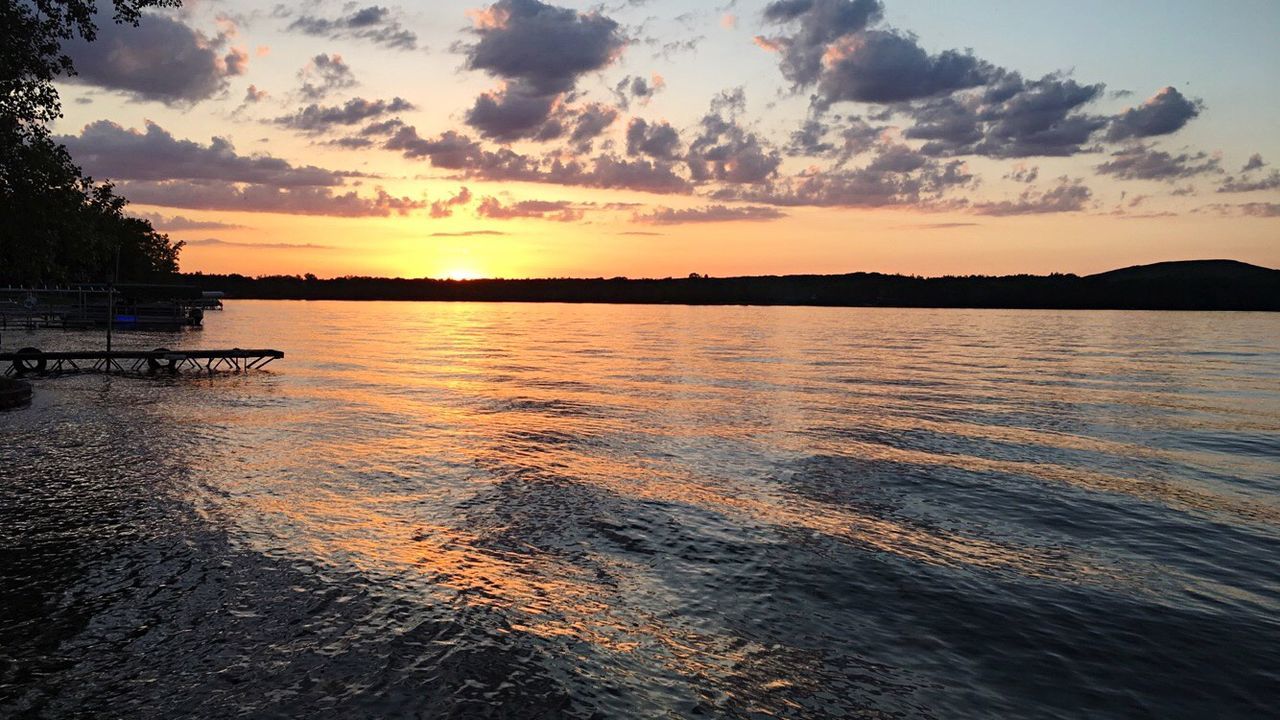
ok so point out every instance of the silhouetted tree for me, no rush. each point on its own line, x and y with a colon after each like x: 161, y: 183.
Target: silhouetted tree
x: 56, y: 224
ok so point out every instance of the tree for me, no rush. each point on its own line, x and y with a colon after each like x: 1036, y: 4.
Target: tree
x: 56, y: 224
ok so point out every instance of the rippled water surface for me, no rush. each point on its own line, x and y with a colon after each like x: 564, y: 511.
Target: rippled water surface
x: 545, y: 511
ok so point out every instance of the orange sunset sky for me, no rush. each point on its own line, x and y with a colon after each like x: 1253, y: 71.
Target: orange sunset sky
x: 659, y: 138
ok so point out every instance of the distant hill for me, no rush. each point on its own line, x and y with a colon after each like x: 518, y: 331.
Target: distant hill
x: 1194, y: 270
x: 1195, y: 285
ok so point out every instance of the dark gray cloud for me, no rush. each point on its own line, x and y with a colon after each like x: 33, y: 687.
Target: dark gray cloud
x: 610, y: 171
x: 107, y: 150
x: 545, y: 46
x: 1255, y: 163
x: 1165, y: 113
x: 215, y: 242
x: 515, y: 112
x: 637, y: 89
x: 539, y: 51
x: 450, y: 150
x: 817, y: 23
x: 708, y: 214
x: 1243, y: 185
x: 1023, y: 174
x: 588, y: 123
x: 231, y: 197
x: 453, y: 151
x: 373, y: 23
x: 877, y: 66
x: 162, y: 59
x: 1143, y: 162
x: 554, y: 210
x: 1067, y: 196
x: 1260, y: 209
x: 726, y: 152
x: 315, y: 118
x: 1255, y: 209
x: 1011, y: 118
x: 178, y: 223
x: 1037, y: 118
x: 324, y: 75
x: 352, y: 143
x: 896, y: 176
x: 659, y: 140
x: 854, y: 136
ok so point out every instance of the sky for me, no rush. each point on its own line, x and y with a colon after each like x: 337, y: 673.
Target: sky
x: 654, y: 138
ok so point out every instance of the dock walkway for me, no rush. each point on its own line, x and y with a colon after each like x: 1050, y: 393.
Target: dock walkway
x: 32, y: 361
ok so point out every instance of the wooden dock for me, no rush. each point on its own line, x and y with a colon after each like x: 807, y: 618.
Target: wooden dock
x: 32, y: 361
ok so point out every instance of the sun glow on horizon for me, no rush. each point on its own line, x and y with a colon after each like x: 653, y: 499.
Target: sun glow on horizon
x: 461, y: 273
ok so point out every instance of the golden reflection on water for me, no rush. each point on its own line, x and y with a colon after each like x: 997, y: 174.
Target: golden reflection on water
x: 463, y: 451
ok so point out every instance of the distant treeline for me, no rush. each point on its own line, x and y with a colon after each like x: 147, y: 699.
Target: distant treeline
x: 1188, y: 286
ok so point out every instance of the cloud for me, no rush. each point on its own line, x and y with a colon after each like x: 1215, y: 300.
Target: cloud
x: 959, y: 104
x: 857, y: 136
x: 638, y: 89
x: 589, y: 123
x: 167, y: 223
x: 659, y: 141
x: 1243, y: 185
x: 1023, y: 174
x: 1012, y: 118
x: 315, y: 118
x: 450, y: 150
x: 545, y: 46
x: 818, y: 24
x: 1027, y: 118
x: 895, y: 176
x: 444, y: 208
x: 162, y: 59
x: 940, y: 226
x: 513, y: 113
x: 1255, y: 163
x: 254, y: 95
x: 1067, y: 196
x: 877, y: 66
x: 215, y: 242
x: 726, y: 152
x: 1257, y: 209
x: 373, y: 23
x: 227, y: 196
x: 108, y: 150
x: 1165, y: 113
x: 610, y: 171
x: 468, y: 233
x: 1143, y: 162
x: 324, y: 75
x: 554, y: 210
x: 453, y: 151
x: 708, y: 214
x: 539, y: 51
x: 1268, y: 210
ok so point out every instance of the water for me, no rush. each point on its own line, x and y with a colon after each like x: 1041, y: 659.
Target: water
x: 544, y: 511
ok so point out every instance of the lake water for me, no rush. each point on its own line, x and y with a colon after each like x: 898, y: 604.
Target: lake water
x: 544, y: 511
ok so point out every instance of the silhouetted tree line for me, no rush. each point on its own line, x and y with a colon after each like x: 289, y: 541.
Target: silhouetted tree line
x: 1205, y: 286
x: 56, y: 224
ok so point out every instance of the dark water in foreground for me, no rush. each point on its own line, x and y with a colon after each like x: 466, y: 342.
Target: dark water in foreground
x: 588, y: 511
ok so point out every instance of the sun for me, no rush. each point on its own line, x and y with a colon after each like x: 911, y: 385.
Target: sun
x: 460, y: 273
